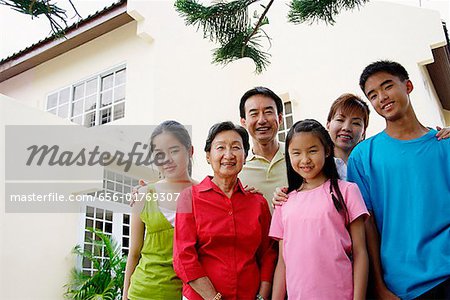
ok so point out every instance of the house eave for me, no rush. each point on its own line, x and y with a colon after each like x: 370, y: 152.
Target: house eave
x: 50, y: 48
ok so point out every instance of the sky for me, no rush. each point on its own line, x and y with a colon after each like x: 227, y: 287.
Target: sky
x: 19, y: 31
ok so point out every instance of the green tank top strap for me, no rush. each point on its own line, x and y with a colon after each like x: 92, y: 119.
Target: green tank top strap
x: 151, y: 204
x: 151, y: 215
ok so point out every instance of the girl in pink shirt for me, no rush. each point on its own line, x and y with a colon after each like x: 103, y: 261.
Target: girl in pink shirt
x: 321, y: 228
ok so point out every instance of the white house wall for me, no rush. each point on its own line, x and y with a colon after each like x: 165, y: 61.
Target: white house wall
x: 35, y: 257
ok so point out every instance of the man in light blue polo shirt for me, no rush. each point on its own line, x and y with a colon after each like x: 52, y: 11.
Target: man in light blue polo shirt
x: 404, y: 176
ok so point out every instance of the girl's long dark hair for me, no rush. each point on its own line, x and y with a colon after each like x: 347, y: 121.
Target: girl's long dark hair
x: 329, y: 169
x: 179, y: 131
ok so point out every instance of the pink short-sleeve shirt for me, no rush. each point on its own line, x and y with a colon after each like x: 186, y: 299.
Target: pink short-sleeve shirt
x: 317, y: 245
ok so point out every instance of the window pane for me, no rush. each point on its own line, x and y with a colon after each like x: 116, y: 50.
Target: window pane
x: 107, y: 82
x: 281, y: 137
x: 125, y: 241
x: 105, y: 115
x: 78, y: 92
x: 52, y: 100
x: 127, y: 180
x: 119, y: 93
x: 126, y: 219
x: 109, y: 215
x: 287, y: 108
x: 119, y: 178
x: 89, y: 119
x: 120, y: 77
x: 281, y: 127
x: 90, y: 103
x: 52, y: 111
x: 91, y: 87
x: 86, y: 263
x: 63, y: 111
x: 99, y: 225
x: 110, y: 185
x: 106, y: 98
x: 289, y: 122
x: 88, y: 236
x: 119, y: 111
x: 89, y: 223
x: 90, y: 211
x: 99, y: 213
x: 64, y: 96
x: 126, y: 190
x: 119, y: 188
x: 126, y: 230
x: 108, y: 227
x: 97, y: 248
x: 88, y: 248
x: 97, y: 238
x: 110, y: 175
x: 77, y: 108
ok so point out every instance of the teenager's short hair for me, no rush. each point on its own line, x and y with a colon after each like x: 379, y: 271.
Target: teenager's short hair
x: 260, y: 90
x: 226, y: 126
x: 391, y: 67
x: 350, y: 104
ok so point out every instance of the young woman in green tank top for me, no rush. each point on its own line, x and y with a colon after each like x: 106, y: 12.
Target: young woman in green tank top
x: 149, y: 272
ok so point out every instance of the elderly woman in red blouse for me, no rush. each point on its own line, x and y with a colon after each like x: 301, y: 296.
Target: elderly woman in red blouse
x: 221, y: 244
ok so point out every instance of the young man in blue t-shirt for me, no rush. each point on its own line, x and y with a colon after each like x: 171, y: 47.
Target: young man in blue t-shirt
x: 404, y: 176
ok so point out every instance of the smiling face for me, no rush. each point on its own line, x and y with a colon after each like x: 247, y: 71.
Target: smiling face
x: 307, y: 155
x: 261, y: 118
x: 227, y: 154
x: 389, y: 95
x: 176, y: 156
x: 346, y: 130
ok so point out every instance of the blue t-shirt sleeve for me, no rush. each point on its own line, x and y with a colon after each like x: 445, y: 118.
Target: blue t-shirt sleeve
x: 355, y: 173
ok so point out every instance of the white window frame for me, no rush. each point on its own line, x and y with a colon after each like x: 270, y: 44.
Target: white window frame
x: 118, y: 223
x: 114, y: 104
x: 284, y: 129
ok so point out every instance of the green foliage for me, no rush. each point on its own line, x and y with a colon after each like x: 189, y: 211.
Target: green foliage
x: 236, y: 48
x: 55, y: 15
x: 229, y: 24
x: 310, y: 11
x: 218, y: 21
x: 107, y: 282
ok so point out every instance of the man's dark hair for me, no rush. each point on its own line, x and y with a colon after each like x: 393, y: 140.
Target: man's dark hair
x: 226, y: 126
x: 387, y: 66
x: 260, y: 90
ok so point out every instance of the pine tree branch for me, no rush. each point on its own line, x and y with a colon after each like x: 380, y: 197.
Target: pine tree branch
x: 217, y: 21
x: 236, y: 49
x: 228, y: 23
x: 310, y: 11
x: 260, y: 21
x: 55, y: 15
